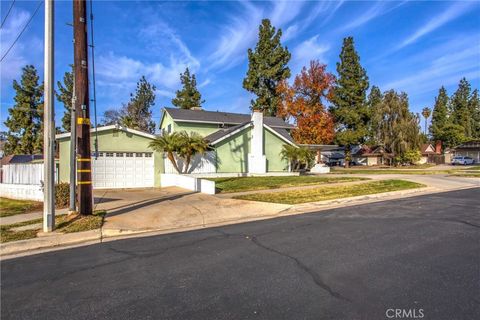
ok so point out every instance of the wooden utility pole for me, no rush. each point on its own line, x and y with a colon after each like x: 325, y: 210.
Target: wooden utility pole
x: 84, y: 160
x: 49, y: 124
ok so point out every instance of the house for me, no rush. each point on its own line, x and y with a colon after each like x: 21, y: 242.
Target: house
x: 431, y: 154
x: 468, y: 149
x: 241, y: 144
x: 371, y: 156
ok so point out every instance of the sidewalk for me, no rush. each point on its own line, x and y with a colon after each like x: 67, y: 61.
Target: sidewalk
x: 28, y: 216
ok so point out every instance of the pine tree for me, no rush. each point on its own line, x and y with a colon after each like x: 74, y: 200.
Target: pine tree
x: 461, y: 113
x: 137, y: 114
x: 25, y: 118
x: 474, y: 106
x: 440, y: 114
x: 374, y: 100
x: 349, y: 103
x: 64, y: 95
x: 188, y: 97
x: 267, y: 67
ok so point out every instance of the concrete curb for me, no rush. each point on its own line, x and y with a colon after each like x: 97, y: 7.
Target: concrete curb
x: 55, y: 240
x: 63, y: 241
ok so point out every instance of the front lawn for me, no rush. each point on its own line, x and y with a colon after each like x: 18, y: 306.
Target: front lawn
x: 388, y: 171
x: 239, y: 184
x: 333, y: 192
x: 64, y: 224
x: 10, y: 207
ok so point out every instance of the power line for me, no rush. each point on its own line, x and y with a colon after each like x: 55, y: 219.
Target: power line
x: 9, y: 9
x: 21, y: 32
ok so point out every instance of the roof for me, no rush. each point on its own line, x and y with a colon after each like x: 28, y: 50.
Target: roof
x: 203, y: 116
x: 111, y: 127
x: 471, y: 145
x: 21, y: 158
x: 219, y: 135
x: 424, y: 149
x: 366, y: 151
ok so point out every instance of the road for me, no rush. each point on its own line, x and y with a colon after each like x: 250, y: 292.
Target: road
x: 420, y: 255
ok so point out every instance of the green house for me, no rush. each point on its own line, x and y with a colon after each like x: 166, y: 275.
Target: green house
x: 241, y: 144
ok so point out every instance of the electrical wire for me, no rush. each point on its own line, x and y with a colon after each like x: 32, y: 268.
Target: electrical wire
x: 9, y: 9
x: 93, y: 79
x: 21, y: 32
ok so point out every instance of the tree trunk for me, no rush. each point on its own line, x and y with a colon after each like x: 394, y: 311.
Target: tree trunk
x: 187, y: 164
x: 171, y: 157
x: 348, y: 156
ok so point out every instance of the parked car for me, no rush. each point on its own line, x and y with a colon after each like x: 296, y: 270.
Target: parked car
x: 462, y: 160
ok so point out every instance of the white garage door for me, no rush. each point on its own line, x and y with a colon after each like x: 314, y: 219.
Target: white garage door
x: 123, y: 170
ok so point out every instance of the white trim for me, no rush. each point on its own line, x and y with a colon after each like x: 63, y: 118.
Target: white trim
x: 280, y: 136
x: 110, y: 127
x: 231, y: 133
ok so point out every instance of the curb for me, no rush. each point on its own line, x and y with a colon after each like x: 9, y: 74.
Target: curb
x: 55, y: 240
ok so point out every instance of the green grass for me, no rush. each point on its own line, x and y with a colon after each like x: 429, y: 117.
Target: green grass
x: 466, y: 175
x: 333, y: 192
x: 472, y: 168
x: 227, y: 185
x: 64, y: 224
x: 388, y: 171
x: 10, y: 207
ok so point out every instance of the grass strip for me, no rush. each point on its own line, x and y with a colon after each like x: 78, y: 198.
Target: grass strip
x: 240, y: 184
x: 10, y: 207
x: 333, y: 192
x: 389, y: 171
x: 466, y: 175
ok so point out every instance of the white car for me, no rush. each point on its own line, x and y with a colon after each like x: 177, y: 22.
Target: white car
x: 462, y: 160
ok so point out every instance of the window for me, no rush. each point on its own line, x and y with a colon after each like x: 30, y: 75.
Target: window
x: 129, y: 154
x: 148, y: 154
x: 119, y: 154
x: 169, y: 128
x: 100, y: 154
x: 138, y: 154
x: 109, y: 154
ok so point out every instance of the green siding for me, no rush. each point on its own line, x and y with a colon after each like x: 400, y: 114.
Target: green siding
x: 111, y: 141
x: 272, y: 147
x: 204, y: 129
x: 232, y: 154
x: 167, y: 120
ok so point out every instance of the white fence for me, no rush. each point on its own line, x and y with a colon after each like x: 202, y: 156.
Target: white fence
x: 21, y: 191
x: 205, y: 163
x: 24, y: 173
x: 187, y: 182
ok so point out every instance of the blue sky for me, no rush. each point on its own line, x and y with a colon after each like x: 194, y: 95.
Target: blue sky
x: 409, y: 46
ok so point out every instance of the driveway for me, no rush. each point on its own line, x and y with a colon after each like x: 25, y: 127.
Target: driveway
x: 420, y: 254
x: 174, y: 208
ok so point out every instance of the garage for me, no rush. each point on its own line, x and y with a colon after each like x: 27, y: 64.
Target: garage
x: 123, y: 170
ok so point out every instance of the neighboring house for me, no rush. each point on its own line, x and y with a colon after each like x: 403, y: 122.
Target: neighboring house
x: 468, y: 149
x: 19, y: 168
x: 241, y: 144
x: 371, y: 156
x: 431, y: 154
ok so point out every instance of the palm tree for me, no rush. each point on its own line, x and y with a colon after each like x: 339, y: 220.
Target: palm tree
x: 190, y: 145
x: 426, y: 112
x: 169, y: 143
x: 290, y: 153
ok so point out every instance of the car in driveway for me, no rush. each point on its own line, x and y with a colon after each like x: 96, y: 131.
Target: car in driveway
x: 462, y: 160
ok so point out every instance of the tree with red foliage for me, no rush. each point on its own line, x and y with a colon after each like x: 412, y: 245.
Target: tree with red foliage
x: 304, y: 102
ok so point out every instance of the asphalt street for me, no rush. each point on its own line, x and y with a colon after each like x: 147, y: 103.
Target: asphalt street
x: 420, y: 255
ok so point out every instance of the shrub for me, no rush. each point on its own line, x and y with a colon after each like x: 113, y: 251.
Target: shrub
x: 62, y: 195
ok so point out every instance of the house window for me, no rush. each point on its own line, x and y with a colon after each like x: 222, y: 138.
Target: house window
x: 119, y: 154
x: 148, y: 154
x: 129, y: 154
x: 100, y: 154
x: 138, y: 154
x: 169, y: 128
x: 109, y: 154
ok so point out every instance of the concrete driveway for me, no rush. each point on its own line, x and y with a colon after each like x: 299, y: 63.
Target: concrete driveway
x: 131, y: 211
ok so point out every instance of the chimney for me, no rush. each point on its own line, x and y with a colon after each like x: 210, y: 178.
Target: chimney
x: 438, y: 147
x: 257, y: 161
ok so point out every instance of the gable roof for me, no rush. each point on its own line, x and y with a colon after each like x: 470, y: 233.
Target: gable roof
x: 21, y: 158
x: 427, y: 148
x: 111, y: 127
x: 222, y: 134
x: 217, y: 117
x: 374, y: 151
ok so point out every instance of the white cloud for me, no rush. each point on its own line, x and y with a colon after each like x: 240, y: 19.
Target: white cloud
x: 378, y: 9
x: 310, y: 49
x: 453, y: 12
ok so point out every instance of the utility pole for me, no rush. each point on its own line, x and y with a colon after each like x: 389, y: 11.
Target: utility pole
x: 49, y: 124
x: 73, y: 153
x: 84, y: 165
